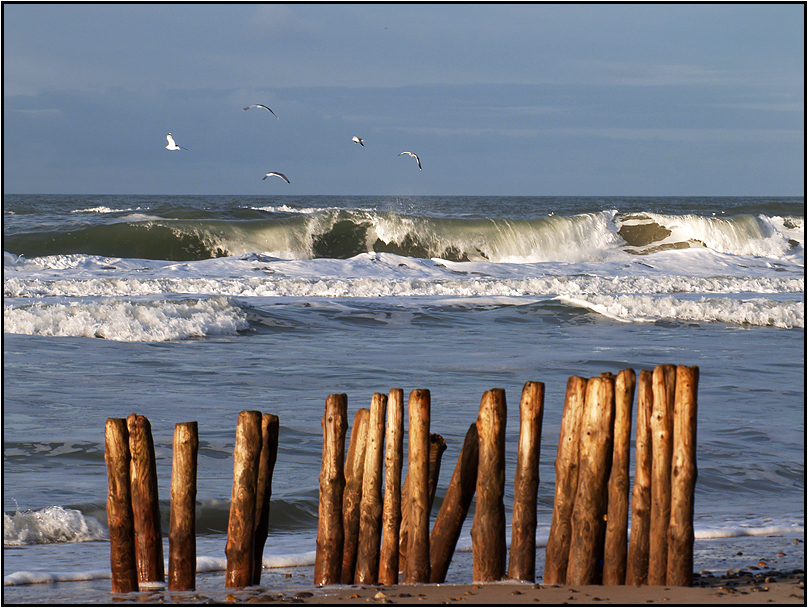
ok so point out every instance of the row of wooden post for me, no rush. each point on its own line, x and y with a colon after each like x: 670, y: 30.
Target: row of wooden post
x: 588, y: 541
x: 133, y: 509
x: 393, y: 531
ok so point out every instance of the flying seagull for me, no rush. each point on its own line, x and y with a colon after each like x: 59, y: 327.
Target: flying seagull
x: 358, y: 140
x: 415, y: 156
x: 171, y: 145
x: 260, y: 105
x: 281, y: 175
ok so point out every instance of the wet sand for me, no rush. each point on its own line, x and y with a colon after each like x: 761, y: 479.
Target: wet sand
x: 731, y: 589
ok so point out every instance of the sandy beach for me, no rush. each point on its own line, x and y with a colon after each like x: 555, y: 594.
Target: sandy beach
x: 731, y: 589
x: 735, y: 587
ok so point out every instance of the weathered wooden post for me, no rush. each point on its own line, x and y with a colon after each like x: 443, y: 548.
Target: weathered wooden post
x: 241, y: 524
x: 522, y: 565
x: 352, y: 495
x: 145, y: 504
x: 664, y: 387
x: 566, y: 484
x: 637, y: 563
x: 594, y: 459
x: 120, y: 520
x: 488, y: 528
x: 683, y: 478
x: 417, y: 565
x: 616, y: 542
x: 391, y: 510
x: 182, y: 530
x: 437, y: 446
x: 270, y: 428
x: 330, y: 535
x: 455, y: 507
x: 370, y: 517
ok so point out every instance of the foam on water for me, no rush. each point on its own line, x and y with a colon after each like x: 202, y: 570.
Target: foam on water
x: 128, y: 321
x: 52, y: 524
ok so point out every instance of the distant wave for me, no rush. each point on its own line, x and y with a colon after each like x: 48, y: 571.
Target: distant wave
x: 128, y: 321
x: 342, y: 234
x: 225, y: 313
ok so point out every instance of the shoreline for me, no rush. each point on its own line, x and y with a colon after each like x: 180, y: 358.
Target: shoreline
x: 742, y: 587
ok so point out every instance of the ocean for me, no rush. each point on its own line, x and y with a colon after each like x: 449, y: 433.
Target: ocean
x: 186, y: 308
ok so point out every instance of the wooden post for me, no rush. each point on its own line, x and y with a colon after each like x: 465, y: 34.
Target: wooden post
x: 522, y: 565
x: 145, y: 504
x: 683, y: 478
x: 370, y: 517
x: 417, y: 565
x: 270, y: 428
x: 120, y: 521
x: 664, y: 387
x: 566, y: 484
x: 391, y: 510
x: 330, y: 534
x: 488, y: 528
x: 182, y: 530
x: 616, y: 542
x: 455, y: 507
x: 241, y: 524
x: 352, y: 496
x: 437, y: 445
x: 594, y: 459
x: 637, y: 563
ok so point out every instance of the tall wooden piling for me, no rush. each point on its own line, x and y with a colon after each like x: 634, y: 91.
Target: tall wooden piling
x: 182, y: 530
x: 417, y: 564
x: 616, y: 543
x: 330, y: 535
x: 594, y: 459
x: 352, y: 496
x: 370, y: 517
x: 566, y: 484
x: 437, y: 446
x: 240, y: 547
x: 270, y: 428
x: 522, y: 564
x: 683, y: 478
x: 637, y: 562
x: 488, y: 528
x: 664, y: 386
x: 145, y: 503
x: 391, y: 509
x: 120, y: 520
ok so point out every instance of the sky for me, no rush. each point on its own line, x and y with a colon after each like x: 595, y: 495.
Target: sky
x: 496, y: 99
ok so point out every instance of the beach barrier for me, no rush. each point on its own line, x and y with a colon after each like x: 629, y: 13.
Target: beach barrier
x: 371, y: 532
x: 133, y: 512
x: 589, y: 541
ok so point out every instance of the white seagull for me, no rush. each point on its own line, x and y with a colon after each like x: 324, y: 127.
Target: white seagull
x: 171, y: 145
x: 358, y: 140
x: 415, y: 156
x: 260, y: 105
x: 281, y: 175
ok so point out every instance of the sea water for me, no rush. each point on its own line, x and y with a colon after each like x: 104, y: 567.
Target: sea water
x: 196, y: 308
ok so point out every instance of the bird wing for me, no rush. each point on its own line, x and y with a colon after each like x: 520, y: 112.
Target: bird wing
x: 170, y: 140
x: 260, y: 105
x: 281, y: 175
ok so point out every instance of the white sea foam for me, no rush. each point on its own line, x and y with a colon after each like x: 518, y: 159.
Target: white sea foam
x: 53, y: 524
x: 128, y: 321
x: 759, y: 311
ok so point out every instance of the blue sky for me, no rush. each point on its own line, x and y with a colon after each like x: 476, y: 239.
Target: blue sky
x: 496, y: 99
